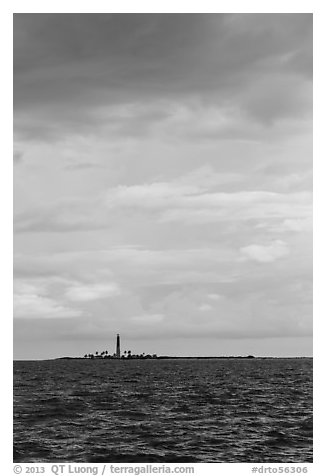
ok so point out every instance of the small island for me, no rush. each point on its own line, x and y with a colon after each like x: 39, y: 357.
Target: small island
x: 128, y: 355
x: 118, y: 354
x: 125, y: 355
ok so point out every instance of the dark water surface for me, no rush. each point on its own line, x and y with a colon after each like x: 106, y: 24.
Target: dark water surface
x: 239, y: 410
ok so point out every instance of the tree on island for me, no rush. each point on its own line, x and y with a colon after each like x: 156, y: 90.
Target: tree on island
x: 125, y: 355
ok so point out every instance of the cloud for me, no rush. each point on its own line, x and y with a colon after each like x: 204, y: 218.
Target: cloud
x: 83, y: 166
x: 265, y: 253
x: 30, y: 304
x: 171, y: 202
x: 148, y: 318
x: 294, y: 225
x: 132, y: 266
x: 298, y: 224
x: 154, y: 195
x: 190, y: 204
x: 205, y: 307
x: 92, y: 292
x: 18, y: 157
x: 146, y: 58
x: 49, y: 296
x: 214, y: 297
x: 37, y: 307
x: 200, y: 300
x: 64, y: 215
x: 257, y: 312
x: 167, y: 191
x: 99, y: 211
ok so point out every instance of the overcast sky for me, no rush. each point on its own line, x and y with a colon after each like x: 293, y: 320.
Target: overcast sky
x: 162, y: 184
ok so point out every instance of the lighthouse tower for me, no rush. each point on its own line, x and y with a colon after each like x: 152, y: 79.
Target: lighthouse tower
x: 118, y: 347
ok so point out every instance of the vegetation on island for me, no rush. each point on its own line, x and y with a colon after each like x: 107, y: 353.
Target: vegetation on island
x: 128, y: 355
x: 124, y: 355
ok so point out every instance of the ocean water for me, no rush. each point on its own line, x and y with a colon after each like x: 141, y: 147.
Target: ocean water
x: 239, y: 410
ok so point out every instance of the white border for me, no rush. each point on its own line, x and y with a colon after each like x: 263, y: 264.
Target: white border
x: 318, y: 9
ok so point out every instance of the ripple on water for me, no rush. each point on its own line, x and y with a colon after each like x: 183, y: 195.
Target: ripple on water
x: 163, y: 411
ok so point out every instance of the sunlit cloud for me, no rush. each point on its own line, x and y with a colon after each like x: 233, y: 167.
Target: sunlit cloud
x: 266, y: 253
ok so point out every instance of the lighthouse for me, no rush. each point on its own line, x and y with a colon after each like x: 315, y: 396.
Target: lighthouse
x: 118, y: 347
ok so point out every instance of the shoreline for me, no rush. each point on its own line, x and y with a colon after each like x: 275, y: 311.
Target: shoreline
x: 170, y: 358
x: 165, y: 357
